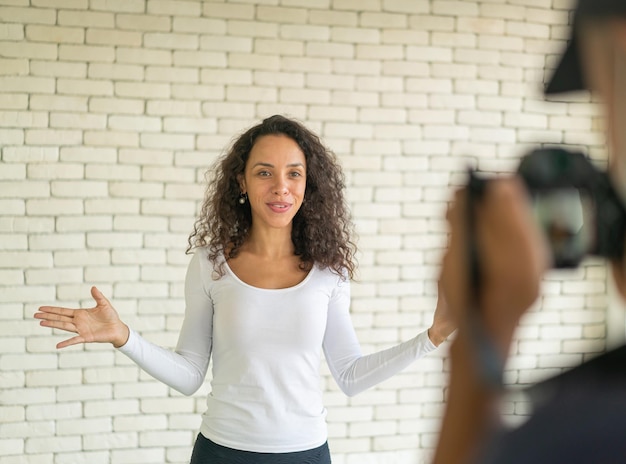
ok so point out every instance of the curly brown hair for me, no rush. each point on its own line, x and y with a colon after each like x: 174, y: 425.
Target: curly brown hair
x: 322, y: 228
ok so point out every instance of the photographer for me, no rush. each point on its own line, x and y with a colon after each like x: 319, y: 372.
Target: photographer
x: 582, y: 413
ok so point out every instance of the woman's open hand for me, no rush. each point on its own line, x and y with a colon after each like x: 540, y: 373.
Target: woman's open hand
x: 100, y: 324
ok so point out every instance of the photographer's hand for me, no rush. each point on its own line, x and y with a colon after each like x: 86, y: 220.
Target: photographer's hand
x: 513, y: 256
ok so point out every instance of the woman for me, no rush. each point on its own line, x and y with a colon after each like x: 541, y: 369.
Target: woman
x: 266, y: 291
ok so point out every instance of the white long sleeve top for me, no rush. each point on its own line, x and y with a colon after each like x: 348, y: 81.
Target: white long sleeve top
x: 266, y: 349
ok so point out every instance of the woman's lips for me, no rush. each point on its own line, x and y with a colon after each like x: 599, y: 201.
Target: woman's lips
x: 279, y: 207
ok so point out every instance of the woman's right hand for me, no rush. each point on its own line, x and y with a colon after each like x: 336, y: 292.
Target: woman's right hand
x: 100, y: 324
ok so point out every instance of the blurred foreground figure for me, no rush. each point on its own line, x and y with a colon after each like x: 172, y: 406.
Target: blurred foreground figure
x: 580, y: 416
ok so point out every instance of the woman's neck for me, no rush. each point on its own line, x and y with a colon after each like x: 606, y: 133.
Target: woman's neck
x: 269, y: 243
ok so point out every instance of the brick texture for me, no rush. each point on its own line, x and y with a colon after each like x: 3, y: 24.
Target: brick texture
x: 110, y: 113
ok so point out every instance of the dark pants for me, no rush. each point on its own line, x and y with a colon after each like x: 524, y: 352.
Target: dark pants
x: 207, y: 452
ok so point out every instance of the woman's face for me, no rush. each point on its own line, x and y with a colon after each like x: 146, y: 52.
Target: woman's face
x: 274, y: 180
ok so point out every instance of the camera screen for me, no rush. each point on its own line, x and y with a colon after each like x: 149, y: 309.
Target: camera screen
x: 567, y: 216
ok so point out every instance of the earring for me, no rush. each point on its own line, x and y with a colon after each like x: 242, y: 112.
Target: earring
x: 242, y: 198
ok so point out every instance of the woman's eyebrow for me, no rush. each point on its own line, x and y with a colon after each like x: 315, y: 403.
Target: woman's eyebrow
x: 269, y: 165
x: 260, y: 163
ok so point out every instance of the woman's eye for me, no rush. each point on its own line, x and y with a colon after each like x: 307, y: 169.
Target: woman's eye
x: 296, y: 174
x: 264, y: 173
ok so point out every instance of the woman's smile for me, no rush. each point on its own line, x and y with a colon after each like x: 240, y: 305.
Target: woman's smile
x: 279, y: 207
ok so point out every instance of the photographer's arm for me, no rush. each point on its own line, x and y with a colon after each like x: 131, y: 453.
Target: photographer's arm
x: 512, y: 255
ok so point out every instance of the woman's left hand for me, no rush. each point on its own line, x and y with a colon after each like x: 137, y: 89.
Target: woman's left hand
x: 443, y: 322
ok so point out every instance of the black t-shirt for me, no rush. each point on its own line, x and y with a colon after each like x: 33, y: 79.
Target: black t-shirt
x: 579, y: 417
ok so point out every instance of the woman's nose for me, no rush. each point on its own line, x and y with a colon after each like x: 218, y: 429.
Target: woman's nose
x: 280, y: 188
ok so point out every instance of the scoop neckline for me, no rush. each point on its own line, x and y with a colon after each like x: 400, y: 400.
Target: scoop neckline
x: 285, y: 289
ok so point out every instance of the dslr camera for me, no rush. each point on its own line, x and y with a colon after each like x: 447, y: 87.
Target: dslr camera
x: 574, y: 203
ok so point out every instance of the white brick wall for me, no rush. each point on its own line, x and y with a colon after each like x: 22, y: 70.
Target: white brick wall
x: 110, y: 112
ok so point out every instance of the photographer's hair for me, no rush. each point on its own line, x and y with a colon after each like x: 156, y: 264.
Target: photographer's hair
x: 322, y: 228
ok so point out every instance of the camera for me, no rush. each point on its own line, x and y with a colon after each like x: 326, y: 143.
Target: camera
x: 574, y: 203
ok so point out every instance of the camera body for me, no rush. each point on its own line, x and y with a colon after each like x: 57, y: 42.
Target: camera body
x: 576, y: 205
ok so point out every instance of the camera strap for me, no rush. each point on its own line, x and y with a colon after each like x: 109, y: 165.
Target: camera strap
x: 490, y: 361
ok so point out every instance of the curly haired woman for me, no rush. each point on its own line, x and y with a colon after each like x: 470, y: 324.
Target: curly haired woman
x: 267, y: 290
